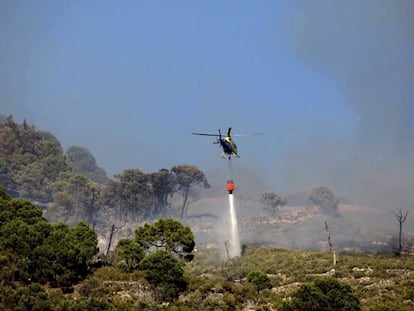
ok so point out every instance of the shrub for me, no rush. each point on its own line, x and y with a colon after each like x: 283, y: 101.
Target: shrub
x: 164, y: 272
x: 31, y: 297
x: 323, y: 294
x: 128, y: 254
x: 111, y: 274
x: 389, y: 306
x: 259, y: 279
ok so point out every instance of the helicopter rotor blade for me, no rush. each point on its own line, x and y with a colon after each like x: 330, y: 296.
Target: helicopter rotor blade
x: 206, y: 134
x: 247, y: 134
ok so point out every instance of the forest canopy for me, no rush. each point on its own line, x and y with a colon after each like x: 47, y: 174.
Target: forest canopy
x: 33, y: 250
x: 71, y: 187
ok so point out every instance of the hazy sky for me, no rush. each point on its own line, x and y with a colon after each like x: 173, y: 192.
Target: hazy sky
x: 330, y: 83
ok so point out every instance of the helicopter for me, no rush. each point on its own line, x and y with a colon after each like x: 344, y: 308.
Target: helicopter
x: 227, y: 143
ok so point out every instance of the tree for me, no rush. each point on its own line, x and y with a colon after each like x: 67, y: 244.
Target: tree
x: 79, y: 192
x: 48, y: 137
x: 3, y: 194
x: 326, y: 200
x: 22, y: 229
x: 73, y: 192
x: 272, y: 201
x: 82, y: 161
x: 20, y: 297
x: 33, y: 250
x: 165, y: 274
x: 111, y: 198
x: 323, y: 294
x: 6, y: 177
x: 132, y: 190
x: 188, y: 177
x: 64, y: 256
x: 163, y: 185
x: 128, y: 254
x: 29, y: 160
x: 401, y: 218
x: 94, y: 192
x: 331, y: 248
x: 9, y: 137
x: 169, y: 235
x: 260, y: 279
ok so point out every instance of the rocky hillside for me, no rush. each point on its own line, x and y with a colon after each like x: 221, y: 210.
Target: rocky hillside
x: 298, y: 227
x: 379, y: 282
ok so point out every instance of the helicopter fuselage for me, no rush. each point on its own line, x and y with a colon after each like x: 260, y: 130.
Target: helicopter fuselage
x: 228, y: 145
x: 226, y: 142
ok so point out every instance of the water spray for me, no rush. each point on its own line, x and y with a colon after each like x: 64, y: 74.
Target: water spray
x: 234, y: 247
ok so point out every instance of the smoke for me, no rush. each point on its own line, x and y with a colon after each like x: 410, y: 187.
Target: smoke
x: 366, y: 49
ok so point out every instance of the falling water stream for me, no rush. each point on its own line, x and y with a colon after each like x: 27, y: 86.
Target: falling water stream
x: 235, y: 249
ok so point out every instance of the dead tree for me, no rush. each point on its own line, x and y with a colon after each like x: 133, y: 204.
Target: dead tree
x: 331, y: 248
x: 110, y: 239
x: 226, y: 245
x: 401, y: 218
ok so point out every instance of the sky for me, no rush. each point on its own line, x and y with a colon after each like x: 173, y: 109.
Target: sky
x: 329, y: 83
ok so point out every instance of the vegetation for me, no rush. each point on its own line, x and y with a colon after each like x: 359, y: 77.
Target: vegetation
x: 33, y: 250
x: 24, y: 297
x: 163, y: 186
x: 169, y: 235
x: 41, y: 262
x: 325, y: 199
x: 188, y: 177
x: 54, y: 266
x: 272, y: 201
x: 401, y: 218
x: 130, y: 193
x: 260, y: 279
x: 165, y: 274
x: 29, y: 160
x: 376, y: 280
x: 323, y: 294
x: 128, y: 254
x: 82, y: 161
x: 72, y: 187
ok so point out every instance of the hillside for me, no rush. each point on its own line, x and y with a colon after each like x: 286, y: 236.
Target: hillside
x: 70, y: 186
x: 380, y: 282
x: 298, y: 227
x: 33, y: 163
x: 54, y: 267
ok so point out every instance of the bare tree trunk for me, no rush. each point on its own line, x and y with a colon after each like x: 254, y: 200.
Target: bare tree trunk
x: 185, y: 199
x: 401, y: 218
x: 331, y: 248
x: 110, y: 239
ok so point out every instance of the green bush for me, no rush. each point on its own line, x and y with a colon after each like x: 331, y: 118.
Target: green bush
x: 128, y: 254
x: 168, y: 235
x: 93, y: 288
x: 33, y: 250
x: 18, y: 297
x: 390, y: 306
x: 323, y: 294
x: 165, y: 274
x: 111, y: 274
x: 259, y: 279
x: 90, y: 304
